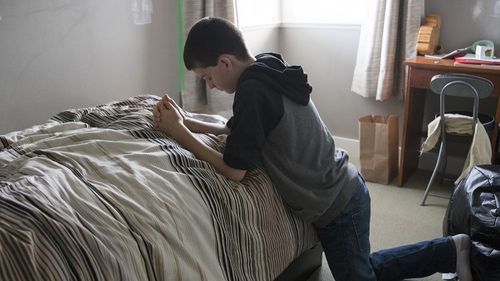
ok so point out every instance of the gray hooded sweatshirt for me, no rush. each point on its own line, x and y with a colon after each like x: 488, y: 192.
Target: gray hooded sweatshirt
x: 276, y: 123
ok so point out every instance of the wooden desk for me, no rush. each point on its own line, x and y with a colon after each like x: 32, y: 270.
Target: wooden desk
x: 420, y: 72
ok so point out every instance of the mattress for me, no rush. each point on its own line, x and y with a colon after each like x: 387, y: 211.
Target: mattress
x: 97, y: 193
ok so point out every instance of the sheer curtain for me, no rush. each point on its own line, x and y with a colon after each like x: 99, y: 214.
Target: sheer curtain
x: 195, y: 96
x: 388, y: 37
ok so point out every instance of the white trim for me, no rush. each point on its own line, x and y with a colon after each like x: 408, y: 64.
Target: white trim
x: 351, y: 146
x: 345, y: 26
x: 342, y: 26
x: 260, y: 26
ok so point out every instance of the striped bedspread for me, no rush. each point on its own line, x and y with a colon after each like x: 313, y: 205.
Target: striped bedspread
x: 98, y: 194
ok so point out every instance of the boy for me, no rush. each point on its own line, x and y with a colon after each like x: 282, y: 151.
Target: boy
x: 275, y: 122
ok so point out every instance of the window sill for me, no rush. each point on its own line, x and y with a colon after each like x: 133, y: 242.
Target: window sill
x: 349, y: 26
x: 346, y: 26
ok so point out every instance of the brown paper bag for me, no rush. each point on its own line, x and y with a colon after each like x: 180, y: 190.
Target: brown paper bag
x: 378, y: 145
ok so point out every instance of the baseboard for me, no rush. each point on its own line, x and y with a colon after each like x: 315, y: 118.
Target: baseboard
x: 351, y: 146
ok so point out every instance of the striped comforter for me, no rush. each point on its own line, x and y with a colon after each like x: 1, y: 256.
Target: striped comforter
x: 98, y: 194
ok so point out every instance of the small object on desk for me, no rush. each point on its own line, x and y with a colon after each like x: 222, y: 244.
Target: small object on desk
x: 484, y: 52
x: 428, y: 35
x: 453, y: 54
x: 472, y: 48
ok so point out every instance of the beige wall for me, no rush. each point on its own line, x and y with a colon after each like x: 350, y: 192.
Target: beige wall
x: 262, y: 39
x: 328, y: 55
x: 61, y: 54
x: 64, y: 54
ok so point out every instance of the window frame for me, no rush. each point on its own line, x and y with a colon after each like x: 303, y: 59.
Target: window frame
x: 283, y: 13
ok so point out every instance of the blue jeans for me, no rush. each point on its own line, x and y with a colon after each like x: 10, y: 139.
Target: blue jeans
x: 347, y: 248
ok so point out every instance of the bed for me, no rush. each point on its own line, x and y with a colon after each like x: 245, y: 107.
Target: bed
x: 98, y: 194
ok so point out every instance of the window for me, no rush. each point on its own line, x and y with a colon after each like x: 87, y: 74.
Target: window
x: 265, y: 12
x: 323, y: 11
x: 258, y: 12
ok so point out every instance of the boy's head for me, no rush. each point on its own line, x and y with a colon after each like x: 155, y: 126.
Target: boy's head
x: 210, y: 38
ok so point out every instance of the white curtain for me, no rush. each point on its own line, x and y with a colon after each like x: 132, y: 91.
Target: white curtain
x: 388, y: 37
x: 195, y: 96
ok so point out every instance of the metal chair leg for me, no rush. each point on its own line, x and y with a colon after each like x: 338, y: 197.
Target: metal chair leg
x: 442, y: 172
x: 439, y: 163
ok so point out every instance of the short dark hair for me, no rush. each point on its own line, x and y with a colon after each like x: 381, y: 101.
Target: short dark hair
x: 211, y: 37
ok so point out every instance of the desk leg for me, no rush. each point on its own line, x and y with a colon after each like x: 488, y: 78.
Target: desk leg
x: 412, y: 133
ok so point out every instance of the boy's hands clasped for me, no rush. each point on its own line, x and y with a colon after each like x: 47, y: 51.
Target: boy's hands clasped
x: 168, y: 117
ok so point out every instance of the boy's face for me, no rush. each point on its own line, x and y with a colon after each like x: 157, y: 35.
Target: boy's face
x: 220, y: 76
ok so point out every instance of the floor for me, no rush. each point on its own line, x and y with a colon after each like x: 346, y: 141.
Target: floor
x: 398, y: 218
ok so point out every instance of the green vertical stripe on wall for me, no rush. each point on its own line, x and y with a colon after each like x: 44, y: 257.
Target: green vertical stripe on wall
x: 180, y: 35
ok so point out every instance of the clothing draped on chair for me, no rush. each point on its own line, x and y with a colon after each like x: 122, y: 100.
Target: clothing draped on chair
x: 388, y: 37
x: 195, y: 96
x: 480, y: 148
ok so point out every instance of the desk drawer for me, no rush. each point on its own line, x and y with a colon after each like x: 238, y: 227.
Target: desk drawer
x: 421, y: 78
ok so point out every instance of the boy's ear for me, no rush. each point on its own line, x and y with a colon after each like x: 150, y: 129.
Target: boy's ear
x: 226, y: 61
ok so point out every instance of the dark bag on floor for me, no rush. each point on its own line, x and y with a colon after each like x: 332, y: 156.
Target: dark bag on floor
x: 474, y: 209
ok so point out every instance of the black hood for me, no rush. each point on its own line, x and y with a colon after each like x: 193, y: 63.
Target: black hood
x: 272, y: 69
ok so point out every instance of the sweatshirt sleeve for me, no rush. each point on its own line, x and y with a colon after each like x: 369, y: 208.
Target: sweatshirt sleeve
x: 256, y: 111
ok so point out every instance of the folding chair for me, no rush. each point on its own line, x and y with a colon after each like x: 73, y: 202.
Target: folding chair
x: 460, y: 85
